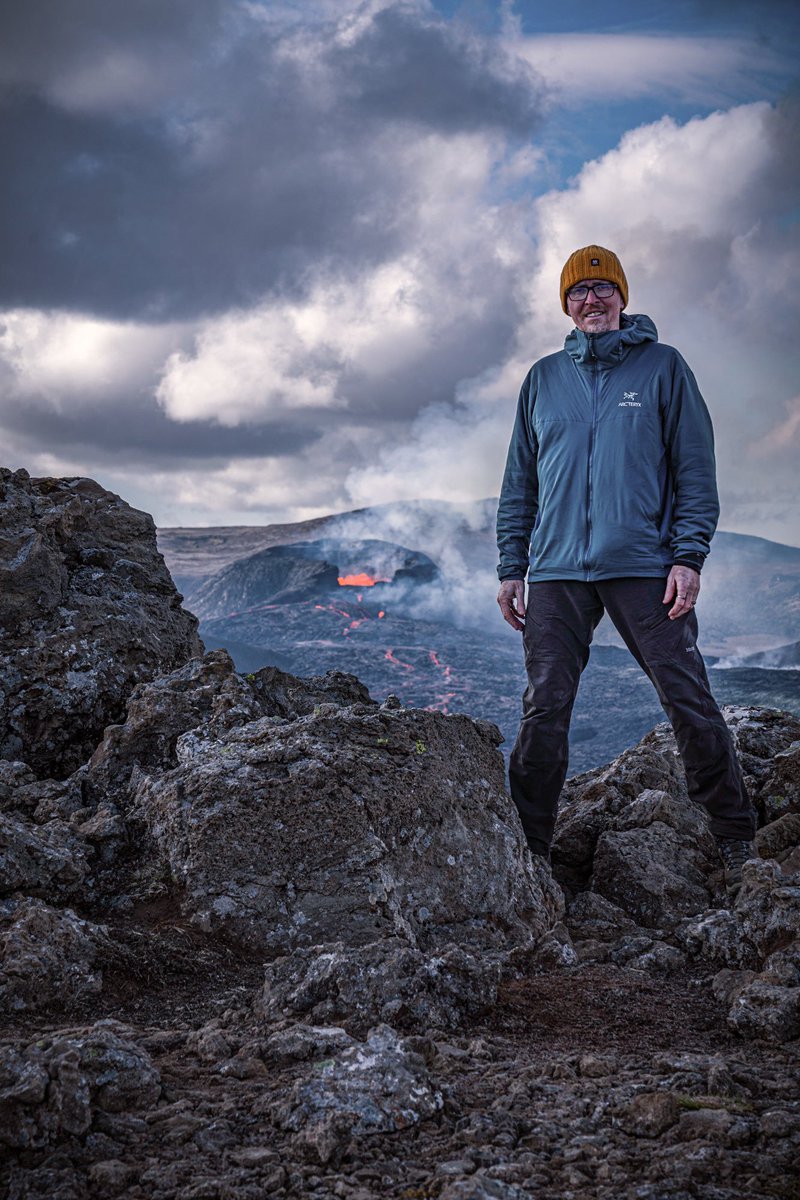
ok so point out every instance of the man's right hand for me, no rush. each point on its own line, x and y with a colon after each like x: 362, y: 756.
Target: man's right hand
x: 511, y: 599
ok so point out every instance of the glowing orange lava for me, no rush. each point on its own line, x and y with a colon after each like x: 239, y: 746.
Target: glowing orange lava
x: 360, y: 580
x: 397, y: 662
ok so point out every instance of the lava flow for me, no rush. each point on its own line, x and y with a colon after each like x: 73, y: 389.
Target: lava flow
x: 353, y: 622
x: 446, y: 671
x: 361, y: 580
x: 442, y: 701
x: 389, y: 655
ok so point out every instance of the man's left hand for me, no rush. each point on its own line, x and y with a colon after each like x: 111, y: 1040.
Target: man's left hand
x: 683, y: 586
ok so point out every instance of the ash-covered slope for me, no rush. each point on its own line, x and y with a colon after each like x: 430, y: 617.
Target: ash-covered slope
x: 309, y: 571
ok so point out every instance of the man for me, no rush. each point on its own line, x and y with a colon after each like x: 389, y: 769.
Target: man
x: 609, y: 503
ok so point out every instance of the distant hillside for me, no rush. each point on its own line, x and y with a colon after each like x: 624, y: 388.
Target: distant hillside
x: 195, y: 554
x: 749, y: 603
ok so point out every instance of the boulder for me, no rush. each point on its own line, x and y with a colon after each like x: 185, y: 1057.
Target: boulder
x: 590, y: 802
x: 300, y: 1042
x: 780, y: 838
x: 768, y: 907
x: 351, y: 823
x: 87, y: 611
x: 380, y: 1086
x: 386, y: 981
x: 758, y: 945
x: 43, y: 860
x: 767, y: 1011
x: 55, y: 1087
x: 653, y: 858
x: 650, y: 874
x: 760, y: 734
x: 49, y: 958
x: 206, y: 691
x: 593, y: 803
x: 779, y: 793
x: 41, y: 799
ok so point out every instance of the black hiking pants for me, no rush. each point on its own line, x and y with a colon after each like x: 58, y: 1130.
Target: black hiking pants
x: 561, y: 617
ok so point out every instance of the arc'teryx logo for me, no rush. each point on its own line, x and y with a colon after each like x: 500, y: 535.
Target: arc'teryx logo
x: 629, y: 400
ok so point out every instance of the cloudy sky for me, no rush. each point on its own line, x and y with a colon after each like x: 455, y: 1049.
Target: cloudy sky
x: 263, y: 261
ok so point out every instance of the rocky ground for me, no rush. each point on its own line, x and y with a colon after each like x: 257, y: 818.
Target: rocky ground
x: 274, y: 939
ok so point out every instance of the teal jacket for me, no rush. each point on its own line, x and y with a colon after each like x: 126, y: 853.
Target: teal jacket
x: 610, y: 470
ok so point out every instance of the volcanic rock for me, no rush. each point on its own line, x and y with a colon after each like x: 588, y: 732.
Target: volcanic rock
x: 41, y: 860
x: 766, y: 1010
x: 57, y: 1085
x: 353, y: 822
x: 600, y: 802
x: 87, y: 611
x: 205, y: 692
x: 642, y: 873
x: 48, y: 956
x: 379, y: 1086
x: 780, y: 791
x: 654, y: 859
x: 386, y: 981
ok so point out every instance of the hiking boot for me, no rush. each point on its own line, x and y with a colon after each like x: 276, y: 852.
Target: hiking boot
x: 539, y: 849
x: 734, y: 853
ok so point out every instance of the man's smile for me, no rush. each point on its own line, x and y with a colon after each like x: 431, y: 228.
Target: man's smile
x: 593, y: 313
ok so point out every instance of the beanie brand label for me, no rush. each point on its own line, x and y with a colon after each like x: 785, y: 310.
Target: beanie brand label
x: 595, y: 262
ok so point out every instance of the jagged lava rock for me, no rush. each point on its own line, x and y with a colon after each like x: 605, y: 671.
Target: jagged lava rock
x: 780, y: 791
x: 378, y: 1087
x: 42, y: 860
x: 48, y: 956
x: 767, y: 914
x: 645, y: 885
x: 653, y: 859
x: 602, y: 840
x: 58, y: 1085
x: 350, y: 823
x: 205, y: 692
x: 385, y: 981
x: 87, y: 611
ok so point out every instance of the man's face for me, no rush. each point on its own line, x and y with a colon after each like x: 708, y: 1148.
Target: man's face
x: 594, y: 315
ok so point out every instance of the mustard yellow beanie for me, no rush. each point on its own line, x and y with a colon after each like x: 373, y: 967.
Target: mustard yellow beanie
x: 593, y: 262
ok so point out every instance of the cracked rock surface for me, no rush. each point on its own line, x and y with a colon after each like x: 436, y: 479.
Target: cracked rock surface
x: 87, y: 611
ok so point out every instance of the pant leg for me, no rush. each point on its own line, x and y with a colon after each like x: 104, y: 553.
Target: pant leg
x: 560, y: 618
x: 667, y: 652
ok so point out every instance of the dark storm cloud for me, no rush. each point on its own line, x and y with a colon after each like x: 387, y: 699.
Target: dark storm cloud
x: 54, y: 48
x: 402, y: 69
x: 258, y: 157
x: 140, y: 432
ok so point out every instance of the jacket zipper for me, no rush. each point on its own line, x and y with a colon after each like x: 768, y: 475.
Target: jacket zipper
x: 591, y: 456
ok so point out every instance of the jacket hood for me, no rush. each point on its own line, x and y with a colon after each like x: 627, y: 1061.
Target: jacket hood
x: 611, y: 347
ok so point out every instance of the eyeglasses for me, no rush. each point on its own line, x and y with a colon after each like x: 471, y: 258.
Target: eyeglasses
x: 601, y: 290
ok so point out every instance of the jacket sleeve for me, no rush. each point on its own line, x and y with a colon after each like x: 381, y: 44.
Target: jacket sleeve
x: 519, y: 495
x: 689, y: 439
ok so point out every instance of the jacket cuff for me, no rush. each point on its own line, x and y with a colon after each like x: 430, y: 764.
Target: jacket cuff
x: 690, y: 559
